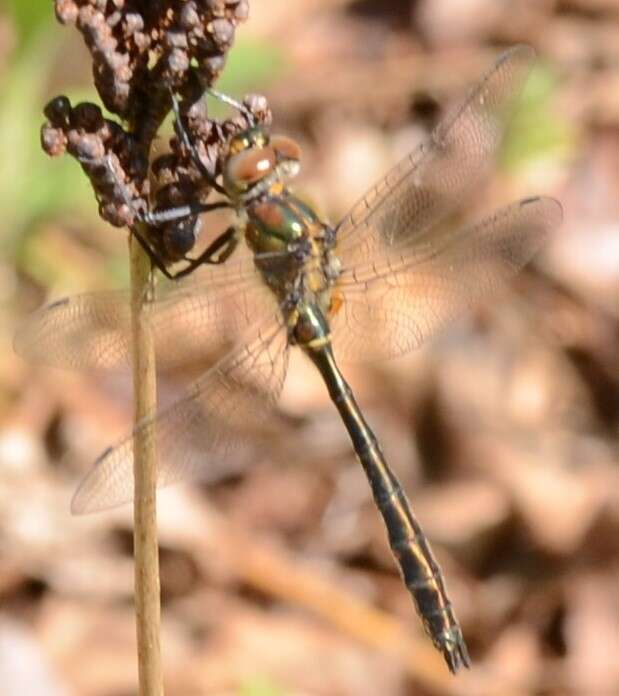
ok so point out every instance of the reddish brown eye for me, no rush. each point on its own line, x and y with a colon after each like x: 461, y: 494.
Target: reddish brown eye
x: 285, y: 148
x: 249, y: 166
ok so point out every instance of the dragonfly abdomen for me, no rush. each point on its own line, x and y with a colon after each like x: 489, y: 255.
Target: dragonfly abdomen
x: 424, y: 580
x: 420, y: 571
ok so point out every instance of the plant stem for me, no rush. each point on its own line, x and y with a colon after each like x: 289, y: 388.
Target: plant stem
x: 146, y: 553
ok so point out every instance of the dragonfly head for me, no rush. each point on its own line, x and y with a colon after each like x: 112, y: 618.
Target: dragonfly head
x: 255, y: 161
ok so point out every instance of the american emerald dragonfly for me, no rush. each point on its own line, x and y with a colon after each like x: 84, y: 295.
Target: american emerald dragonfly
x: 379, y: 283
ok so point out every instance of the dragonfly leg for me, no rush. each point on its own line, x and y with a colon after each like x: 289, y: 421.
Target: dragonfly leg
x: 240, y: 107
x: 159, y: 217
x: 155, y: 258
x: 183, y: 136
x: 219, y: 251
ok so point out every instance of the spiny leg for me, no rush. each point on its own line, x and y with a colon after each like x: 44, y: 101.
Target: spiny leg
x: 160, y: 217
x: 183, y: 136
x: 224, y: 245
x: 239, y: 106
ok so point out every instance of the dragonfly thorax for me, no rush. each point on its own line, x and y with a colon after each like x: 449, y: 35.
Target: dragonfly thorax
x: 291, y: 246
x: 278, y: 223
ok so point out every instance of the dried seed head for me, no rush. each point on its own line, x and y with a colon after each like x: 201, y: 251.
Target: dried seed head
x: 140, y: 47
x: 141, y: 53
x: 177, y: 175
x: 259, y: 107
x: 109, y: 156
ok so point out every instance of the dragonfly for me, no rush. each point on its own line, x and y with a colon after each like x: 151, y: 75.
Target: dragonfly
x: 383, y: 280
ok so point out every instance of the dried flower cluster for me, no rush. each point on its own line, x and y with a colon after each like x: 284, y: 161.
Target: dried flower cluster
x: 112, y: 157
x: 140, y: 47
x: 142, y: 52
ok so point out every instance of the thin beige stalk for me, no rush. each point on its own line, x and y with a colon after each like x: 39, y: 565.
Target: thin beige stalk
x: 146, y: 552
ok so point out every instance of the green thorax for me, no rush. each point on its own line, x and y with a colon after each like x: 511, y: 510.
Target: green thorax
x: 276, y: 222
x: 283, y: 233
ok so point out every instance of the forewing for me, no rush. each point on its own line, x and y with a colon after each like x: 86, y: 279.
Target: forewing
x: 93, y: 331
x: 390, y: 308
x: 212, y: 425
x: 438, y: 175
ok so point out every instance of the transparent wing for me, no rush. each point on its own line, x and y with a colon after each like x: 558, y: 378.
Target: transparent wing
x: 213, y: 424
x: 437, y: 176
x: 90, y: 330
x: 390, y: 307
x: 93, y: 331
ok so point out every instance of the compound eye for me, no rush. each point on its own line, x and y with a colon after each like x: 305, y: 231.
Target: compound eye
x: 285, y: 148
x: 247, y: 167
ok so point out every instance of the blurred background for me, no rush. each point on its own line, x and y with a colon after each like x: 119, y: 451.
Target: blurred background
x: 278, y: 579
